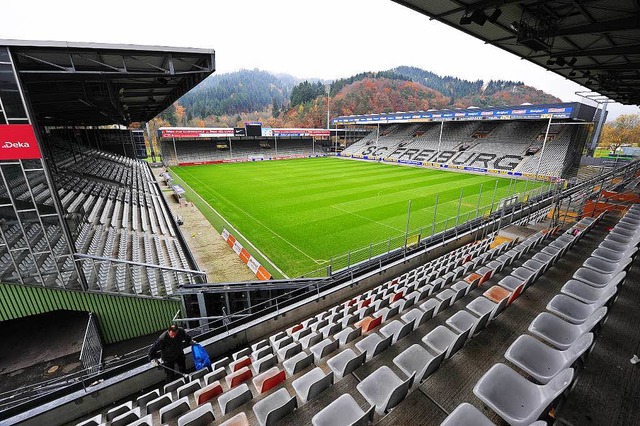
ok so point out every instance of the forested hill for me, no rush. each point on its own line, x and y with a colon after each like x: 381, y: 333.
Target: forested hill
x: 281, y: 100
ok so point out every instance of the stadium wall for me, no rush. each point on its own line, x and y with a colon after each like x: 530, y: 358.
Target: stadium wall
x: 119, y: 317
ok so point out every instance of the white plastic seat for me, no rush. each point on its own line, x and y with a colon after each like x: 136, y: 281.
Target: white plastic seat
x: 297, y: 363
x: 202, y: 415
x: 542, y: 362
x: 397, y: 329
x: 312, y: 384
x: 481, y: 305
x: 384, y: 389
x: 431, y: 305
x: 347, y: 335
x: 613, y: 255
x: 174, y: 410
x: 573, y: 310
x: 466, y: 414
x: 310, y: 340
x: 345, y: 363
x: 343, y: 411
x: 587, y: 294
x: 594, y: 278
x: 126, y: 418
x: 264, y: 363
x: 417, y: 316
x: 462, y: 321
x: 441, y: 339
x: 518, y: 401
x: 604, y: 266
x: 274, y: 407
x: 289, y: 350
x: 324, y: 348
x: 373, y: 344
x: 561, y: 333
x: 417, y: 361
x: 234, y: 398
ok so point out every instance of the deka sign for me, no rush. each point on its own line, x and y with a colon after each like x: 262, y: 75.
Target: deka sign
x: 18, y: 142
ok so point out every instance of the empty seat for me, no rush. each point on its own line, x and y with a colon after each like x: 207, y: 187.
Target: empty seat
x: 240, y: 363
x: 142, y: 400
x: 373, y: 344
x: 312, y: 384
x: 144, y: 421
x: 289, y: 350
x: 201, y: 416
x: 174, y: 410
x: 417, y: 316
x: 237, y: 377
x: 561, y: 333
x: 310, y: 339
x: 463, y: 321
x: 93, y: 421
x: 594, y: 278
x: 441, y: 339
x: 120, y: 409
x: 606, y: 266
x: 170, y: 387
x: 269, y: 379
x: 466, y: 414
x: 588, y: 294
x: 263, y: 364
x: 323, y: 348
x: 234, y: 398
x: 343, y: 411
x: 573, y: 310
x: 417, y: 361
x: 345, y: 363
x: 197, y: 375
x: 239, y: 419
x: 542, y: 362
x: 241, y: 353
x: 431, y: 305
x: 208, y: 392
x: 126, y: 418
x: 518, y: 401
x: 347, y: 335
x: 157, y: 403
x: 297, y: 363
x: 397, y: 329
x: 274, y: 407
x: 188, y: 389
x: 215, y: 375
x: 384, y: 389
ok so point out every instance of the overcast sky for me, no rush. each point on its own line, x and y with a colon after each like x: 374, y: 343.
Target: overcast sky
x: 326, y: 39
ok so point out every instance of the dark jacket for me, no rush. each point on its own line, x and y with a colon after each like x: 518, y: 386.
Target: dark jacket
x: 170, y: 348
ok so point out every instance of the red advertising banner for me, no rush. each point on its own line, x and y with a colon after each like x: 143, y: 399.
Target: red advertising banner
x: 18, y: 142
x: 192, y: 133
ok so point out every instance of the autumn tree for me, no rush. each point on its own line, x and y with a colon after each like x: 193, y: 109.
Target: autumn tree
x: 623, y: 130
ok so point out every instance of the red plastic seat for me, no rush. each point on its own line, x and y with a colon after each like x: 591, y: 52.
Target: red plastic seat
x: 237, y: 377
x: 269, y: 379
x: 208, y: 392
x: 397, y: 296
x: 367, y: 323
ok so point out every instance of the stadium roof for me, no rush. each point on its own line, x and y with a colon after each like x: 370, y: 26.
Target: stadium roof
x: 97, y: 84
x: 565, y: 110
x: 595, y: 43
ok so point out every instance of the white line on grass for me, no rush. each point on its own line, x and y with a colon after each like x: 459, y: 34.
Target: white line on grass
x: 235, y: 230
x: 366, y: 218
x: 262, y: 224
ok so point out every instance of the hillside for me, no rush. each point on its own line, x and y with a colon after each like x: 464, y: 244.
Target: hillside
x: 284, y: 101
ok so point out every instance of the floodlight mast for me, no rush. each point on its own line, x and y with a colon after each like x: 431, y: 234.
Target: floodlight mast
x: 599, y: 100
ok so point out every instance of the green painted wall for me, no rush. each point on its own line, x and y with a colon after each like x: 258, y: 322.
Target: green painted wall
x: 119, y: 317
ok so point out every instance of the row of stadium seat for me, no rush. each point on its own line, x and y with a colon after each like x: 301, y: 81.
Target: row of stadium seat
x: 565, y: 333
x: 288, y: 353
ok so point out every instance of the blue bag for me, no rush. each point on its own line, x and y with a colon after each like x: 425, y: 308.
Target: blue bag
x: 200, y: 357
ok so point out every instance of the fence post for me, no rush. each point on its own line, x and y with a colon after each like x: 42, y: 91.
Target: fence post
x: 370, y: 250
x: 435, y: 213
x: 388, y: 245
x: 479, y: 199
x: 349, y: 259
x: 493, y: 199
x: 459, y: 204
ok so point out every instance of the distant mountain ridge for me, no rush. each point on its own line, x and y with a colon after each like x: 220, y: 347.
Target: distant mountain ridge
x: 282, y: 100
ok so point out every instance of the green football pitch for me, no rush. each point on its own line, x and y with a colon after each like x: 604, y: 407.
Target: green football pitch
x: 301, y: 215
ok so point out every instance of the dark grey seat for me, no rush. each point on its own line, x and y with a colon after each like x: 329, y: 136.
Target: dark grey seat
x: 126, y: 418
x: 417, y: 361
x: 324, y: 348
x: 312, y: 384
x: 188, y: 388
x: 345, y: 363
x: 373, y: 344
x: 200, y: 416
x: 234, y: 398
x: 343, y: 411
x: 116, y: 411
x: 274, y: 407
x: 174, y: 410
x: 157, y: 403
x: 297, y: 363
x: 384, y: 389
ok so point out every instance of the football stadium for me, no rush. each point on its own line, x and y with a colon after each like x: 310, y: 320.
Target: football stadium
x: 456, y: 266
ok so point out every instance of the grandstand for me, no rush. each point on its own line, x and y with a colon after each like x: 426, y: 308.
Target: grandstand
x: 526, y: 314
x: 506, y: 139
x: 183, y: 146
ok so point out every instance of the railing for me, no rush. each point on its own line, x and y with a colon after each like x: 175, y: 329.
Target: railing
x: 91, y: 353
